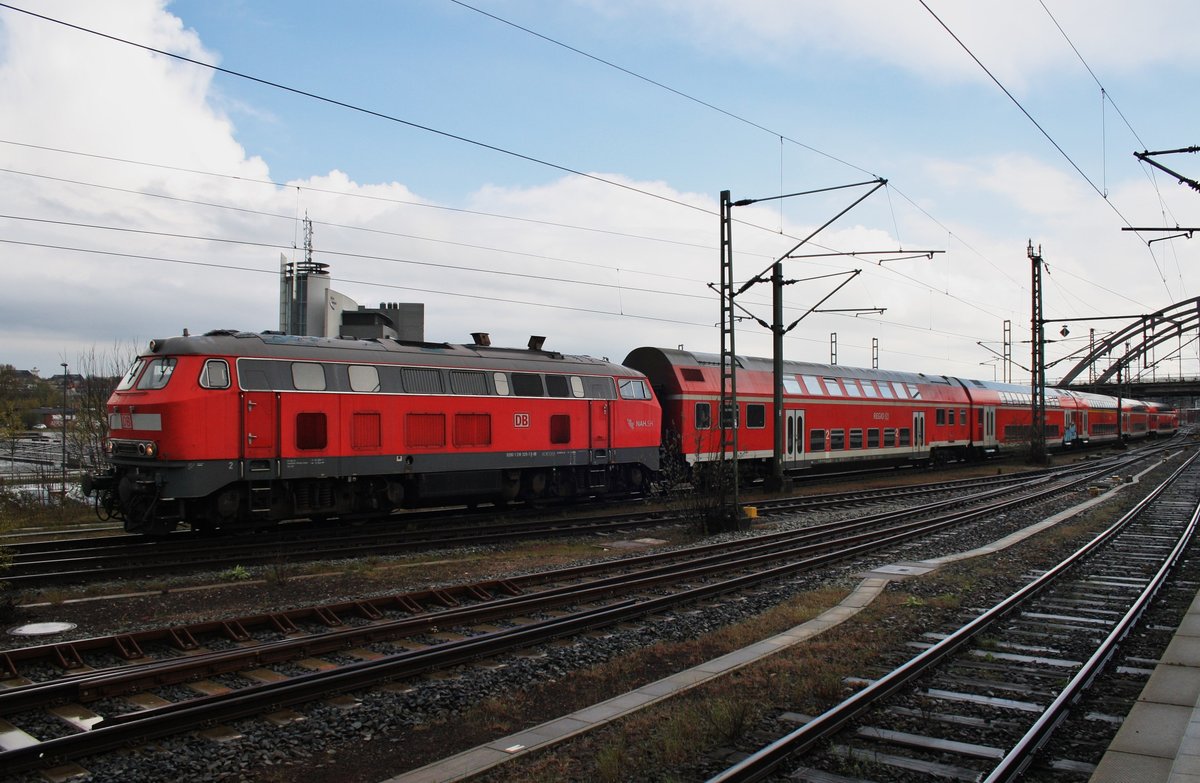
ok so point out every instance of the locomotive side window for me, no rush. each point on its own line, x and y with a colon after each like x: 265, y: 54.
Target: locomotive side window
x: 310, y: 430
x: 131, y: 376
x: 472, y: 429
x: 633, y: 389
x: 576, y: 386
x: 837, y: 440
x: 157, y: 373
x: 501, y: 383
x: 816, y: 440
x: 308, y: 376
x: 468, y: 382
x: 703, y: 415
x: 558, y: 386
x: 560, y: 428
x: 856, y: 439
x: 364, y: 378
x: 600, y: 388
x: 526, y: 384
x: 756, y: 416
x: 419, y: 380
x: 215, y: 374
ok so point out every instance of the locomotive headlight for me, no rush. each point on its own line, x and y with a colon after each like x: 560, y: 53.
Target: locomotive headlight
x: 108, y: 447
x: 151, y: 449
x: 147, y: 449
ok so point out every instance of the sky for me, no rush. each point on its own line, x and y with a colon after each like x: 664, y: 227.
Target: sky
x: 553, y: 167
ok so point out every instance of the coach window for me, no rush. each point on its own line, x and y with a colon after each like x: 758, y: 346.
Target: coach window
x: 914, y: 391
x: 951, y: 422
x: 962, y: 415
x: 364, y: 378
x: 872, y: 439
x: 869, y: 388
x: 791, y: 386
x: 856, y: 439
x: 852, y: 387
x: 131, y: 376
x: 703, y: 415
x: 633, y: 389
x: 756, y: 416
x: 814, y: 386
x: 215, y: 374
x: 576, y: 386
x: 558, y: 386
x: 885, y: 390
x: 832, y: 388
x: 941, y: 415
x: 527, y: 385
x: 307, y: 376
x: 837, y: 440
x: 310, y: 431
x: 889, y: 438
x: 905, y: 436
x: 501, y: 383
x: 816, y: 440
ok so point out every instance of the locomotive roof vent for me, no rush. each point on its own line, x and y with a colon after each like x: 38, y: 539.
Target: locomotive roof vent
x: 536, y: 342
x: 481, y: 338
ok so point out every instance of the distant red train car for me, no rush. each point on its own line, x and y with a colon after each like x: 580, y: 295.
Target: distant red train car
x: 835, y: 414
x: 236, y: 429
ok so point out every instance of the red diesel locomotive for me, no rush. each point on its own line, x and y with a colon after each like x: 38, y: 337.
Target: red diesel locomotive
x: 236, y: 429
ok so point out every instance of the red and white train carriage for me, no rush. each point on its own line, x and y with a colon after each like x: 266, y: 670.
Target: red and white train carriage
x: 836, y: 414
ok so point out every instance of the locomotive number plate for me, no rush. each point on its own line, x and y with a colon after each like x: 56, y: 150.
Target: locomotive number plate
x: 521, y: 421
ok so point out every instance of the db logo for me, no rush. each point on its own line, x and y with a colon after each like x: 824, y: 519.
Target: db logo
x: 521, y: 421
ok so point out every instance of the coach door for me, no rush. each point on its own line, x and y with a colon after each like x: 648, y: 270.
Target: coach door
x: 601, y: 427
x: 793, y: 438
x: 989, y: 426
x: 918, y: 442
x: 260, y: 429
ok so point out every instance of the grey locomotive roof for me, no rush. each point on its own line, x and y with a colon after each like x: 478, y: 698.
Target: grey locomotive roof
x: 228, y: 342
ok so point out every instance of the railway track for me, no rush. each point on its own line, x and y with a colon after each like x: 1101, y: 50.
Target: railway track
x: 96, y: 559
x: 980, y: 701
x: 107, y: 693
